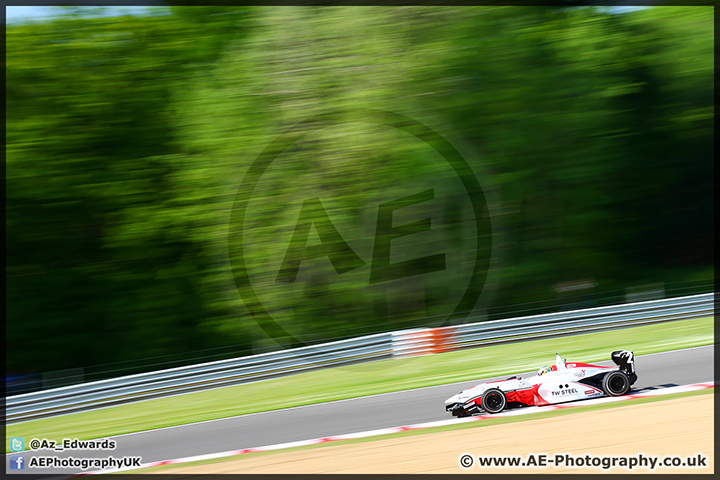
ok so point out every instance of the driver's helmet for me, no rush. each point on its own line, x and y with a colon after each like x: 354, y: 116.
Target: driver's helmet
x: 544, y: 370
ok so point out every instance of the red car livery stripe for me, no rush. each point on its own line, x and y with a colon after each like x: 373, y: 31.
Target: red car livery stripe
x: 583, y: 365
x: 526, y: 395
x: 537, y: 398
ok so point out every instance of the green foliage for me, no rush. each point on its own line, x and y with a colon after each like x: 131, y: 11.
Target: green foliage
x: 100, y: 268
x: 128, y: 138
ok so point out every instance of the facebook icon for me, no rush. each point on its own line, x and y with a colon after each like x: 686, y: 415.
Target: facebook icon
x: 17, y: 462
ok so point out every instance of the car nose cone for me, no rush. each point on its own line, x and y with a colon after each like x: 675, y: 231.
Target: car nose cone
x: 453, y: 399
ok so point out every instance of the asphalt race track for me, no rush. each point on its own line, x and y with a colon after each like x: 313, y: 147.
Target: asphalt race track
x: 679, y: 367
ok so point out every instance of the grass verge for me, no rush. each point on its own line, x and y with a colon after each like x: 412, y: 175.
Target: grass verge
x: 364, y: 379
x: 460, y: 426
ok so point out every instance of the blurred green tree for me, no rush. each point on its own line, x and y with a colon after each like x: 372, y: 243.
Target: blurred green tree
x: 127, y: 139
x: 98, y: 267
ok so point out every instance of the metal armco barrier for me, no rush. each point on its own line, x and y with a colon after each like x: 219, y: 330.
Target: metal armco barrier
x: 87, y: 396
x: 434, y: 340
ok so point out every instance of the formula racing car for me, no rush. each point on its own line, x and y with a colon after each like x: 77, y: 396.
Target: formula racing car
x: 562, y: 382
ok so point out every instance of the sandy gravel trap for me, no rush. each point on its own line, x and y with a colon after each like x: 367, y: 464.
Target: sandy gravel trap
x: 631, y: 436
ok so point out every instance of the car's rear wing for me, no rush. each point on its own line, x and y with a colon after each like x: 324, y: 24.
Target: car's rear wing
x: 625, y: 359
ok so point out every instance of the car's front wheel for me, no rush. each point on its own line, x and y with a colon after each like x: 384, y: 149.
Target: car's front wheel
x: 493, y: 400
x: 616, y: 383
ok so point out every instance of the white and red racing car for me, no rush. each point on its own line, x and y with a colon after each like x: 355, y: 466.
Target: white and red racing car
x: 562, y: 382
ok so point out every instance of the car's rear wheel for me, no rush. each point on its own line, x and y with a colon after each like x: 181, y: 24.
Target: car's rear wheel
x: 616, y: 383
x: 493, y: 400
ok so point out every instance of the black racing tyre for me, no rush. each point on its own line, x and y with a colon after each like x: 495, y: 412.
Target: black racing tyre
x: 493, y: 400
x: 616, y: 383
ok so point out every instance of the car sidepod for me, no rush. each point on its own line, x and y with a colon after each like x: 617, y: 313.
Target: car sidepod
x: 566, y: 391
